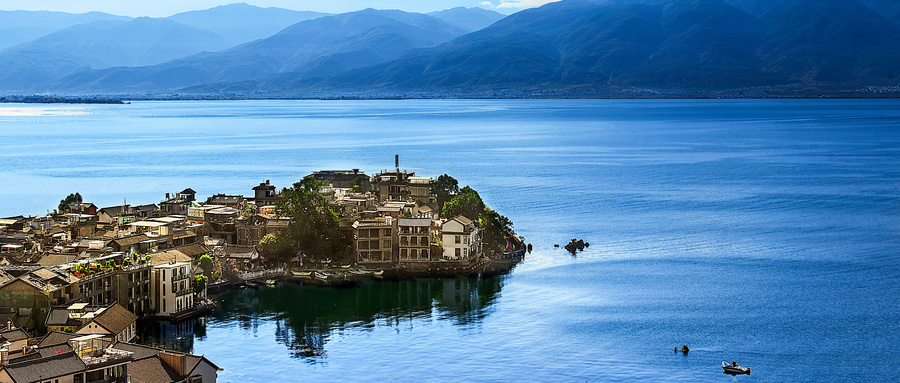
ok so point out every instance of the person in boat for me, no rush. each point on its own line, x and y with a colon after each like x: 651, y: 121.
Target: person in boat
x: 733, y: 364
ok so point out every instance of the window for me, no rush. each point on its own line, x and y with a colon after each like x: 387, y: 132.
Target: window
x: 458, y: 252
x: 164, y: 275
x: 164, y: 289
x: 458, y: 240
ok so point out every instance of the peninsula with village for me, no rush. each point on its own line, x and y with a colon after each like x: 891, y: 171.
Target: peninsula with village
x: 74, y: 283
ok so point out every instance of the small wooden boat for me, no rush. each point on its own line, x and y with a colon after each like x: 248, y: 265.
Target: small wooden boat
x: 270, y: 282
x: 322, y: 275
x: 302, y: 274
x: 378, y: 273
x: 361, y: 272
x: 734, y: 369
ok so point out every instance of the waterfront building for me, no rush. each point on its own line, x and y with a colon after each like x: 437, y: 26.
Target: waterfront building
x: 131, y: 288
x: 414, y: 235
x: 171, y: 290
x: 460, y: 238
x: 151, y: 364
x: 373, y: 240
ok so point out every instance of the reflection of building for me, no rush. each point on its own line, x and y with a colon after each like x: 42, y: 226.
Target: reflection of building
x: 460, y: 238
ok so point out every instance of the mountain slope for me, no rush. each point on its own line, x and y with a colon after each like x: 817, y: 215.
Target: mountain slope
x: 241, y: 23
x: 470, y: 19
x: 141, y: 41
x: 17, y: 27
x: 311, y: 48
x: 583, y: 46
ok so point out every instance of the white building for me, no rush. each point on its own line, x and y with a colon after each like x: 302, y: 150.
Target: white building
x: 460, y: 238
x: 172, y: 291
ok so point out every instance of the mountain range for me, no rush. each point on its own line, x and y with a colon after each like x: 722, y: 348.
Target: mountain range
x: 567, y: 48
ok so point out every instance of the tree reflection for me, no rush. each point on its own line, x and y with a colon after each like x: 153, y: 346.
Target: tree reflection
x: 305, y: 316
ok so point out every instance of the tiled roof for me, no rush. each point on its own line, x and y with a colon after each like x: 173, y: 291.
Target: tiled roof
x: 140, y: 351
x: 45, y: 368
x: 193, y: 250
x: 164, y: 257
x: 128, y: 241
x: 151, y: 370
x: 14, y: 335
x: 463, y: 220
x: 115, y: 319
x: 414, y: 222
x: 53, y: 350
x: 183, y: 234
x: 54, y: 338
x: 56, y: 259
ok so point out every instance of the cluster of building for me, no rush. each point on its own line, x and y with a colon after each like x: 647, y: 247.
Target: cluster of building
x: 144, y: 258
x: 98, y: 351
x: 85, y: 275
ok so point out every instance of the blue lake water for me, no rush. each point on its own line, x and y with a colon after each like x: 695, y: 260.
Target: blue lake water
x: 762, y: 231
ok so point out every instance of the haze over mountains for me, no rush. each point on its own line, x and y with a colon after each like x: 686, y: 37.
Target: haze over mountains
x: 572, y: 47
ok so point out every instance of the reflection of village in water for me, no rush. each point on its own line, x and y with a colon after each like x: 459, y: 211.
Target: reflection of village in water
x: 306, y: 316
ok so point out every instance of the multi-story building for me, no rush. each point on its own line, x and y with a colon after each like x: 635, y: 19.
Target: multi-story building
x: 373, y: 240
x: 171, y: 289
x: 177, y: 205
x: 343, y: 179
x: 403, y: 186
x: 132, y: 288
x: 414, y: 239
x: 460, y: 238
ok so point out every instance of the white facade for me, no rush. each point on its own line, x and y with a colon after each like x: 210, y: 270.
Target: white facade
x: 460, y: 238
x: 172, y: 290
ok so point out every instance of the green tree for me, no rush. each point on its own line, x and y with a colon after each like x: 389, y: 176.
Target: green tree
x: 199, y: 283
x: 497, y: 228
x: 444, y: 188
x: 276, y: 247
x: 467, y: 203
x: 207, y: 264
x: 71, y: 198
x: 314, y: 227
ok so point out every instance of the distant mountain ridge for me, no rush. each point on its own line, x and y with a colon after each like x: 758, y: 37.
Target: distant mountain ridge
x: 314, y: 48
x: 241, y: 23
x: 17, y: 27
x: 566, y: 48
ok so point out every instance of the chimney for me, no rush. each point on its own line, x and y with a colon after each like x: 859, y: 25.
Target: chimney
x: 267, y: 182
x: 167, y: 196
x: 397, y: 162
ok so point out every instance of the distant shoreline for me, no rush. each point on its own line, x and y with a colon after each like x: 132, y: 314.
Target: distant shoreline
x: 99, y: 99
x: 58, y: 100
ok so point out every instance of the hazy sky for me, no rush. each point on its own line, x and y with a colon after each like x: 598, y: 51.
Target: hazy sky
x: 158, y: 8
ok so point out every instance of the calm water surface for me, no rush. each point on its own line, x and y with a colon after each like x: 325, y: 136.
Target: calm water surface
x: 767, y: 232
